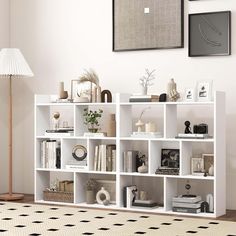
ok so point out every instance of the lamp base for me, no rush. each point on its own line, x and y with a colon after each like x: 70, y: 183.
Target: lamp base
x: 11, y: 197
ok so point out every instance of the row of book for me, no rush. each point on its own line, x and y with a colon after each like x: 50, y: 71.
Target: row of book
x: 105, y: 157
x: 144, y: 98
x: 131, y: 161
x: 50, y: 154
x: 187, y: 204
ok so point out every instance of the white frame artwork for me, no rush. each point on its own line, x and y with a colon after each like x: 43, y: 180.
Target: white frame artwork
x: 190, y: 95
x: 204, y: 91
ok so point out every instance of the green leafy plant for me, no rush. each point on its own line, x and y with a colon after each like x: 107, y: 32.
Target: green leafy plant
x: 92, y: 117
x: 91, y: 184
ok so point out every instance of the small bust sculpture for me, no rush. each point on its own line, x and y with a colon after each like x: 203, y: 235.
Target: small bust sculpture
x: 187, y: 127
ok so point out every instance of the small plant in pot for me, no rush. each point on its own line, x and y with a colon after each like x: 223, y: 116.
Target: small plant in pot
x: 91, y: 119
x: 91, y: 185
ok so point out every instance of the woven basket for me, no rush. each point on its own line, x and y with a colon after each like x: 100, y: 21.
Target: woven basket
x: 58, y: 196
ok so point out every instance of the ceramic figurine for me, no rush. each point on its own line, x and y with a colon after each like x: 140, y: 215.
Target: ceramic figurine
x: 143, y: 169
x: 211, y: 170
x: 62, y: 93
x: 173, y: 95
x: 187, y: 128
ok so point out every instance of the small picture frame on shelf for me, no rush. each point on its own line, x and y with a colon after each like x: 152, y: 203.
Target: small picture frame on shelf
x: 208, y: 160
x: 190, y: 95
x: 78, y: 94
x: 204, y: 91
x: 197, y: 166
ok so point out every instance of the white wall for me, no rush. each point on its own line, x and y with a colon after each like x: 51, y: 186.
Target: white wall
x: 61, y: 37
x: 4, y: 42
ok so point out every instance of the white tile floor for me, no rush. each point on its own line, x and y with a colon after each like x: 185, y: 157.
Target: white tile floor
x: 18, y: 219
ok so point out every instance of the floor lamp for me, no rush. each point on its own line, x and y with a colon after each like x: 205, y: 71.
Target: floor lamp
x: 12, y: 65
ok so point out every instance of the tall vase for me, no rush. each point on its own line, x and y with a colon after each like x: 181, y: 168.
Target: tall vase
x: 111, y: 131
x: 62, y: 93
x: 144, y: 90
x: 90, y: 197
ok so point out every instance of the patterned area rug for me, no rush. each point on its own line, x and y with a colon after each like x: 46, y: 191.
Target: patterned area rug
x: 30, y: 219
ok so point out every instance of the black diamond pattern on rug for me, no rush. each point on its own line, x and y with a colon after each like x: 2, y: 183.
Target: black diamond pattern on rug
x: 144, y: 216
x: 87, y: 233
x: 3, y: 230
x: 112, y: 214
x: 68, y: 214
x: 53, y: 218
x: 191, y: 232
x: 24, y: 215
x: 103, y: 229
x: 12, y: 209
x: 165, y: 223
x: 131, y: 220
x: 20, y: 226
x: 203, y: 227
x: 7, y: 218
x: 140, y: 232
x: 82, y: 211
x: 177, y: 219
x: 69, y: 225
x: 35, y: 234
x: 118, y: 224
x: 99, y: 217
x: 213, y: 223
x: 27, y: 206
x: 37, y: 222
x: 84, y: 221
x: 53, y: 230
x: 153, y: 227
x: 53, y: 208
x: 39, y: 212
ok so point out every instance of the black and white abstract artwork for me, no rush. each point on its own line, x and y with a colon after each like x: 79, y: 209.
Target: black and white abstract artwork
x: 210, y: 34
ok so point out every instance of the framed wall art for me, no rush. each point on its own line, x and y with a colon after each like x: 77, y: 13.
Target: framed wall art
x: 210, y: 34
x: 204, y: 91
x: 147, y: 24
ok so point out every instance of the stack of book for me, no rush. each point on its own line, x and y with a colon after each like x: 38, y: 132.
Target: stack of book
x: 144, y: 98
x: 50, y: 154
x: 193, y: 136
x: 105, y: 157
x: 187, y: 204
x: 60, y: 132
x: 130, y: 161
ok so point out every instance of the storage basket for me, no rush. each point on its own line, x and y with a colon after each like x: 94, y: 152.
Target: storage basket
x: 55, y: 196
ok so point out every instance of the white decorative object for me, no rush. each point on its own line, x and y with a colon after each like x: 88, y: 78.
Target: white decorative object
x: 145, y: 81
x: 210, y: 201
x: 150, y: 127
x: 143, y: 168
x: 140, y: 125
x: 190, y: 95
x: 12, y: 65
x: 172, y: 92
x: 102, y: 196
x: 211, y: 170
x: 204, y: 91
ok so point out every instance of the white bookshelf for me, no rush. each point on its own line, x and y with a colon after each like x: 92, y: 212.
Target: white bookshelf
x: 169, y: 118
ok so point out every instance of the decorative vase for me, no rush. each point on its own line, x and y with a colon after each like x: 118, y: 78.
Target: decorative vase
x: 139, y: 124
x: 211, y: 170
x: 103, y: 196
x: 143, y: 169
x: 62, y: 93
x: 99, y: 94
x: 90, y: 197
x: 144, y: 90
x: 111, y: 132
x: 92, y: 128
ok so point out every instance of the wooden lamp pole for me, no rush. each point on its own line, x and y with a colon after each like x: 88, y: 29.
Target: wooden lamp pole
x: 10, y: 196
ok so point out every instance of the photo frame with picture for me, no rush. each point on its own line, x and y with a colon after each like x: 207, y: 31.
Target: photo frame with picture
x: 208, y: 160
x: 190, y: 95
x: 197, y: 166
x: 204, y: 91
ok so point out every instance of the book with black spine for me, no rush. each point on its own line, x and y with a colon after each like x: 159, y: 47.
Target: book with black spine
x: 186, y: 210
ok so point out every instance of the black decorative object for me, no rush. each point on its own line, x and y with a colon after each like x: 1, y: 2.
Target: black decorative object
x: 200, y: 129
x: 149, y: 24
x: 210, y: 34
x: 187, y: 128
x: 163, y: 97
x: 106, y: 96
x: 79, y: 152
x: 205, y: 207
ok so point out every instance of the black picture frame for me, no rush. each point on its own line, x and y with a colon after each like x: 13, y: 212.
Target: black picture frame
x: 170, y: 158
x: 115, y: 49
x: 203, y: 27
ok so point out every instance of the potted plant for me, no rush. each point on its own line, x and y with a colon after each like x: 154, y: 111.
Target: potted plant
x: 91, y: 185
x: 91, y: 119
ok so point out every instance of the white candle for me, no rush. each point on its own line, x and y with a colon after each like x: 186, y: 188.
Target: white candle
x: 150, y: 127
